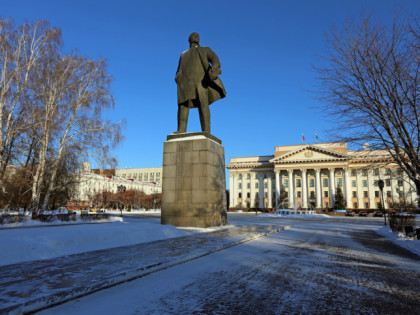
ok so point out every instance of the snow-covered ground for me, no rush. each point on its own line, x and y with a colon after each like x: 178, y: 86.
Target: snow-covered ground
x: 318, y: 266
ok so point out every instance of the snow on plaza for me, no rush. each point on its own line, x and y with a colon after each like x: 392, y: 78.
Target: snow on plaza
x: 266, y: 263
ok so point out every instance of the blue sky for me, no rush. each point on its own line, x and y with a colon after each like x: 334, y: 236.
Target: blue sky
x: 266, y: 48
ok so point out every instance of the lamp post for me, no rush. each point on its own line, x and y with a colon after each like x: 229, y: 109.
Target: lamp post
x: 381, y: 188
x: 121, y: 189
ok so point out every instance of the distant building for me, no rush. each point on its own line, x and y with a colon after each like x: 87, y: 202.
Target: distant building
x: 91, y: 183
x: 150, y: 174
x: 311, y: 173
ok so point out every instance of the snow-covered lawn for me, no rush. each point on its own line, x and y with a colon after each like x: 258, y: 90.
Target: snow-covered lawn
x: 46, y: 241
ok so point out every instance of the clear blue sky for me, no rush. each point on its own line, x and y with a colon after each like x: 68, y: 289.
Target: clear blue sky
x: 266, y: 50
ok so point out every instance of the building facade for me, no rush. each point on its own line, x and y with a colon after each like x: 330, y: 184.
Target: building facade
x: 150, y: 174
x: 310, y: 173
x: 91, y: 184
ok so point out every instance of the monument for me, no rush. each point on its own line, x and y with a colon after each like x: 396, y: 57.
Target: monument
x: 193, y: 175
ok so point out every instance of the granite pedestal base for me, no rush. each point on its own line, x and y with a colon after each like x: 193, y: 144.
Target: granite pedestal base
x: 193, y: 181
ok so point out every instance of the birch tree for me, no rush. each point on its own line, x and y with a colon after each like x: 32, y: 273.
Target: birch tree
x: 369, y: 87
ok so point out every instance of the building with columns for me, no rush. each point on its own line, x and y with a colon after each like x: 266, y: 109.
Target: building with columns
x: 310, y: 174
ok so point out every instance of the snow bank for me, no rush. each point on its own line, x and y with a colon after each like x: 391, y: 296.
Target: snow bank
x: 400, y: 239
x: 35, y: 243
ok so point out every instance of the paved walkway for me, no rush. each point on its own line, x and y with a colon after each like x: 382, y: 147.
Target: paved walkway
x: 30, y: 286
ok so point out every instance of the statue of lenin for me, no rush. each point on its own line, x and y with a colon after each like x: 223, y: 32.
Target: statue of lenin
x: 198, y: 83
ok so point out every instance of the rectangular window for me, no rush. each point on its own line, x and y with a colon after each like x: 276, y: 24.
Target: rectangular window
x: 312, y: 194
x: 366, y: 205
x: 353, y: 172
x: 387, y: 182
x: 265, y: 195
x: 364, y: 183
x: 326, y: 205
x: 248, y: 185
x: 265, y: 185
x: 240, y: 195
x: 240, y: 185
x: 388, y: 171
x: 375, y: 183
x: 311, y: 182
x: 298, y: 183
x: 248, y: 176
x: 256, y: 185
x: 354, y: 194
x: 365, y: 194
x: 325, y: 182
x: 353, y: 183
x: 388, y: 193
x: 248, y: 195
x: 400, y: 182
x: 376, y: 171
x: 377, y: 194
x: 299, y: 194
x: 286, y: 183
x: 355, y: 205
x: 364, y: 172
x: 326, y: 194
x: 240, y: 176
x: 339, y: 182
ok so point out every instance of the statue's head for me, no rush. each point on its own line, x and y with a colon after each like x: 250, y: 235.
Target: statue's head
x: 194, y: 38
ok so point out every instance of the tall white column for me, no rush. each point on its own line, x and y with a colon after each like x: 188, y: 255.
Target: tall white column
x: 243, y: 190
x: 332, y: 186
x: 231, y: 189
x: 371, y: 190
x: 347, y: 187
x: 359, y: 189
x: 252, y: 183
x: 277, y: 186
x: 261, y: 189
x: 304, y: 190
x: 291, y: 190
x: 235, y: 189
x: 270, y: 191
x: 318, y: 189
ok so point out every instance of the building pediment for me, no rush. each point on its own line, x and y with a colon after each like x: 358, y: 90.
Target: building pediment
x: 310, y: 153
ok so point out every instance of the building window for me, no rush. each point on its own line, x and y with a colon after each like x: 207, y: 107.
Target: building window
x: 366, y: 205
x: 364, y: 183
x: 375, y: 183
x: 353, y: 183
x: 298, y: 174
x: 365, y: 194
x: 355, y: 205
x: 311, y: 173
x: 265, y: 185
x: 256, y: 185
x: 265, y: 195
x: 324, y: 173
x: 354, y: 194
x: 376, y: 171
x: 387, y: 182
x: 299, y: 194
x: 311, y: 182
x: 240, y: 195
x: 326, y: 205
x: 388, y: 193
x: 312, y: 194
x: 298, y: 183
x: 325, y: 182
x: 248, y: 195
x: 377, y: 194
x: 240, y: 176
x: 353, y: 172
x: 364, y: 172
x: 339, y: 182
x: 400, y: 182
x: 286, y: 183
x: 387, y: 171
x: 326, y: 194
x: 248, y: 176
x: 338, y: 172
x: 240, y: 185
x: 248, y: 185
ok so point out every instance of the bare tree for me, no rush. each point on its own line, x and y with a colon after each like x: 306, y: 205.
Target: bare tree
x: 369, y: 87
x: 21, y: 50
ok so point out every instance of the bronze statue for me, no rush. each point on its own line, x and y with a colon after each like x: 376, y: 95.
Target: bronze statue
x: 198, y: 83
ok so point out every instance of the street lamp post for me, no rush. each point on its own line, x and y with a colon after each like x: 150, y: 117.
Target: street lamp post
x: 121, y: 189
x: 381, y: 188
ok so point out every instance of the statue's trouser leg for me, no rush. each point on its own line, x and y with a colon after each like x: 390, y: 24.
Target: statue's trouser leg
x: 204, y: 112
x: 182, y: 118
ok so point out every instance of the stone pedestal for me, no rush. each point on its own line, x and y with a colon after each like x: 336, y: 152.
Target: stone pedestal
x: 193, y: 181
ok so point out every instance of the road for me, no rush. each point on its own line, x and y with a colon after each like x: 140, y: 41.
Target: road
x: 337, y: 265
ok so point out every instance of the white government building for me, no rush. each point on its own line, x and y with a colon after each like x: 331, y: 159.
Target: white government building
x: 310, y: 173
x: 90, y: 183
